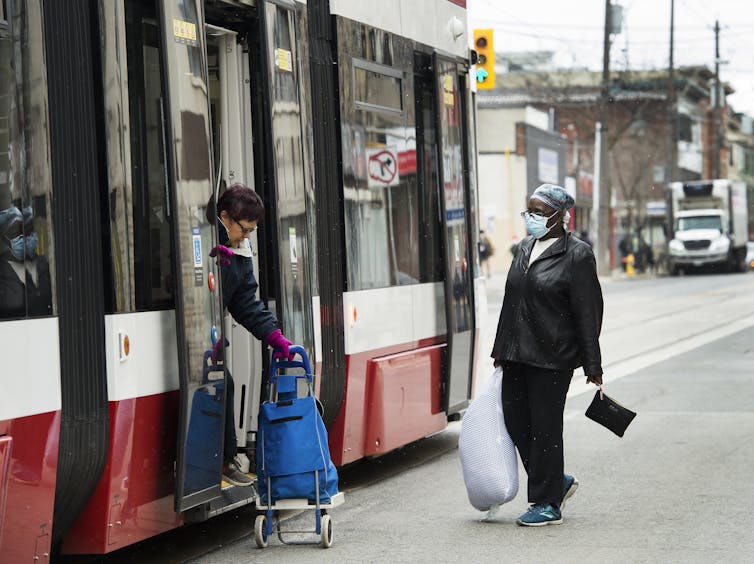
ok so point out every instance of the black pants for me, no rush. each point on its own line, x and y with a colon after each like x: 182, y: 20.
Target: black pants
x: 533, y: 404
x: 229, y: 445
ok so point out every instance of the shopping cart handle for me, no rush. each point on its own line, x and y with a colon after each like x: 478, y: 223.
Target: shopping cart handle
x: 279, y: 363
x: 208, y: 367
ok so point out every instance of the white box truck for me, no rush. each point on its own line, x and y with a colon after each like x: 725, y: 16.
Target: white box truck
x: 709, y: 220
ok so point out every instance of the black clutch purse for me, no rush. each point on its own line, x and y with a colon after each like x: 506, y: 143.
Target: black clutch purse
x: 609, y: 413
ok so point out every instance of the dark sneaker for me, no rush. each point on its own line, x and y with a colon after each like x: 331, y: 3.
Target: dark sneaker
x: 570, y: 485
x: 232, y: 474
x: 540, y: 514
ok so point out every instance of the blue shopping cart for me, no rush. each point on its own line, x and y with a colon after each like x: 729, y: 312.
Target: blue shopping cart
x: 294, y: 470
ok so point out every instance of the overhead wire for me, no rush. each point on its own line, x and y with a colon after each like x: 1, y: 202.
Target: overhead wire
x: 580, y: 41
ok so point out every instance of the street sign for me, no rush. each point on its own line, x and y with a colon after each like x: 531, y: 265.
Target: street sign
x: 382, y: 166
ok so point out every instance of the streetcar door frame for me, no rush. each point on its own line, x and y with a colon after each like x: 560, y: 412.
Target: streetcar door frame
x: 198, y: 307
x: 457, y: 241
x: 233, y: 149
x: 287, y: 230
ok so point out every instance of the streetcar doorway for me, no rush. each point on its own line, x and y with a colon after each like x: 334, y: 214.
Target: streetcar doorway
x: 228, y: 67
x: 212, y: 91
x: 459, y: 286
x: 191, y: 183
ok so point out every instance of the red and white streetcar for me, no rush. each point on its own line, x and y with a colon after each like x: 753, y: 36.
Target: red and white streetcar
x: 119, y: 120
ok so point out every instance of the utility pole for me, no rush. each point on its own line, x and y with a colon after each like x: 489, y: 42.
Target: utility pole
x: 717, y: 107
x: 670, y: 169
x: 602, y: 213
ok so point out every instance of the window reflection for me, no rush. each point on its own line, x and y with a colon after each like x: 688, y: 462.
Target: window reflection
x: 451, y: 132
x: 25, y: 231
x: 292, y: 248
x: 389, y: 166
x: 283, y: 59
x: 377, y: 89
x: 153, y: 270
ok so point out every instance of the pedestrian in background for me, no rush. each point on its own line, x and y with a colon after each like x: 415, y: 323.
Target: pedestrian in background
x: 486, y: 250
x: 584, y: 236
x: 549, y: 325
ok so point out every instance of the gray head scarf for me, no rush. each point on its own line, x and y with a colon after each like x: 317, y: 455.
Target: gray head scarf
x: 9, y: 217
x: 554, y: 196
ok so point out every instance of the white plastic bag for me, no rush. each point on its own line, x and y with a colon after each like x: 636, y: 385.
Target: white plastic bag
x: 488, y: 456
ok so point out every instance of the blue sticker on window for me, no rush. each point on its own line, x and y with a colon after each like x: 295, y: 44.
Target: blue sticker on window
x: 197, y: 248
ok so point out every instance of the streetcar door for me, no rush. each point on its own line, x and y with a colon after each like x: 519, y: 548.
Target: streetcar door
x: 286, y: 265
x: 187, y: 147
x: 230, y: 109
x: 459, y: 303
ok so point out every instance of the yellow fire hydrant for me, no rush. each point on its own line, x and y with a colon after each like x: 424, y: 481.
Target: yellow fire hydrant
x: 630, y: 259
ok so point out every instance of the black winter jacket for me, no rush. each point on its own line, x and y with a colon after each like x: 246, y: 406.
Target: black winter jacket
x: 22, y: 299
x: 239, y: 287
x: 552, y: 310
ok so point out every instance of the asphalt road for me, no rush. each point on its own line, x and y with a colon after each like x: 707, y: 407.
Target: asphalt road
x: 676, y: 488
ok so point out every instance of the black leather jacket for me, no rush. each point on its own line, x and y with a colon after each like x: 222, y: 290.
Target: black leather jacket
x: 552, y: 310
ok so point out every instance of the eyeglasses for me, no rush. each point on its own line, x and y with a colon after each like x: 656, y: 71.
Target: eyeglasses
x: 540, y: 215
x: 244, y: 230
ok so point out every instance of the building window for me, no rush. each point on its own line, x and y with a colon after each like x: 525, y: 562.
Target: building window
x: 749, y: 162
x: 685, y: 128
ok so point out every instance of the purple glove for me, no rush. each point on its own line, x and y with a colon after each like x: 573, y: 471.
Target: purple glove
x: 222, y: 253
x: 280, y: 344
x: 218, y: 351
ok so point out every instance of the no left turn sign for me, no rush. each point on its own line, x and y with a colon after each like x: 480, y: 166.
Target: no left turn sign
x: 382, y: 167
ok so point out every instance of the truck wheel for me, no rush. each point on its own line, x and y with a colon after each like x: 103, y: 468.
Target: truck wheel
x: 673, y: 270
x: 732, y: 265
x: 741, y: 263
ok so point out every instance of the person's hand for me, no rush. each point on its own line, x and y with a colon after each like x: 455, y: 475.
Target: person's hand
x: 222, y: 253
x: 594, y: 379
x: 218, y: 350
x: 280, y: 345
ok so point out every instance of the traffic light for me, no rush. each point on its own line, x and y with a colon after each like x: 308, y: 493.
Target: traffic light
x: 485, y: 66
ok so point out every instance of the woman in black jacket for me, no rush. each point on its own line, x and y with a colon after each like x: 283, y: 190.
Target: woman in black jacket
x: 239, y: 210
x: 25, y: 283
x: 549, y: 324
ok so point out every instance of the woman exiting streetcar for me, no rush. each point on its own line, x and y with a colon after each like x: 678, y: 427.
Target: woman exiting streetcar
x: 239, y: 210
x: 549, y: 325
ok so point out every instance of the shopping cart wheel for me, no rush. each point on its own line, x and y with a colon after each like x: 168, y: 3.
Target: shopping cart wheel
x: 260, y: 532
x: 326, y: 531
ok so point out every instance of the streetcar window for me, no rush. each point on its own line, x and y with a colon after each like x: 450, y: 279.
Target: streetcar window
x: 430, y: 253
x: 152, y: 220
x: 285, y: 69
x: 25, y: 183
x: 377, y: 87
x: 391, y: 208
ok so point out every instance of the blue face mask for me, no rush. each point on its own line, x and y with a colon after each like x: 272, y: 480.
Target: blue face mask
x: 24, y: 246
x: 536, y: 225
